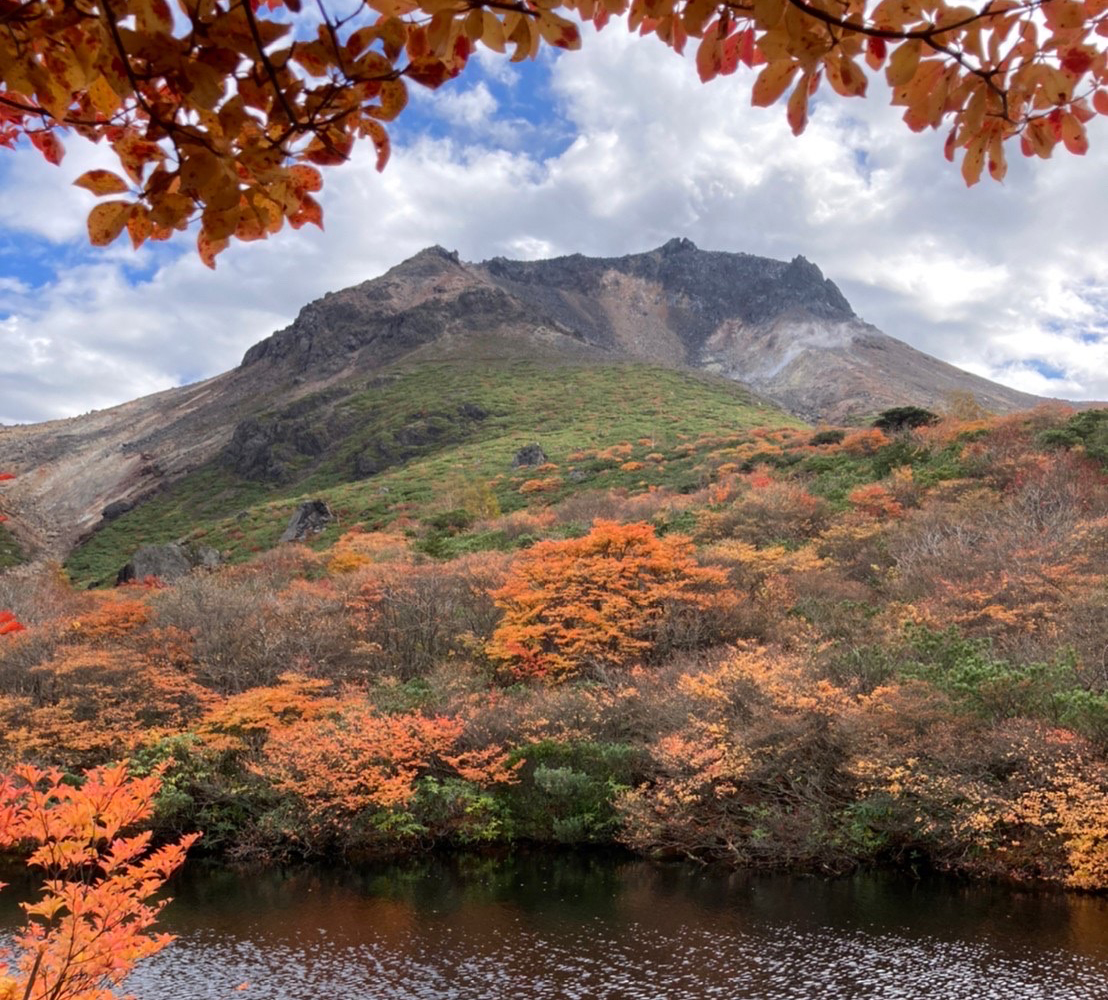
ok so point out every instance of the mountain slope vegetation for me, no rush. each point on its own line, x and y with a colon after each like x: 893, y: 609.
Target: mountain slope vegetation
x: 424, y: 437
x: 732, y: 637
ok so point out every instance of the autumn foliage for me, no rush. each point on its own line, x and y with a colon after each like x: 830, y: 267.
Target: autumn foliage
x: 221, y: 113
x: 93, y: 921
x: 869, y: 649
x: 581, y: 605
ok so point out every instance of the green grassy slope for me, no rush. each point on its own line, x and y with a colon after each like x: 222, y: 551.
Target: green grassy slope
x: 416, y: 425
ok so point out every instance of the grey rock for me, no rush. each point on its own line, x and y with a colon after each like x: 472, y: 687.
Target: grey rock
x: 117, y: 509
x: 167, y: 562
x: 529, y: 455
x: 310, y: 518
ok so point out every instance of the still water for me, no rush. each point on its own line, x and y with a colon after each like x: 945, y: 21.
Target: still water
x: 565, y: 927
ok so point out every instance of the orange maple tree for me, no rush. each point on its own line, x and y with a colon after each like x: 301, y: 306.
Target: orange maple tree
x: 92, y: 923
x: 582, y: 604
x: 220, y: 110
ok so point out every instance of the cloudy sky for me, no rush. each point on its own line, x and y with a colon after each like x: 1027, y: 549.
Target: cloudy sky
x: 606, y: 151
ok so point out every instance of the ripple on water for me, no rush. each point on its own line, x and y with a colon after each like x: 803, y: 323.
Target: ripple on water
x: 589, y: 962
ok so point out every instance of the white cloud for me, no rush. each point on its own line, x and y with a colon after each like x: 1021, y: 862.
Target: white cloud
x: 1008, y: 280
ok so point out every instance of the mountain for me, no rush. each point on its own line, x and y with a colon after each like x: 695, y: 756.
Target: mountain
x: 778, y: 328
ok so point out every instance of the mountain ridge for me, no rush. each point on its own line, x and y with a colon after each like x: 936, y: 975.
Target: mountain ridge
x: 779, y: 328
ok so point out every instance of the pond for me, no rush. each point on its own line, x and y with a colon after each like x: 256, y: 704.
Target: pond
x: 597, y: 927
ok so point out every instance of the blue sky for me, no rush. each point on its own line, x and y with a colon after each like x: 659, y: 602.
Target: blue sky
x: 610, y: 150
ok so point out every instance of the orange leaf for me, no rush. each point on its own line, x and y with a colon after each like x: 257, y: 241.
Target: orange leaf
x: 772, y: 82
x: 309, y: 211
x: 102, y: 182
x: 305, y: 178
x: 209, y: 248
x: 1073, y: 135
x: 709, y: 56
x: 798, y: 106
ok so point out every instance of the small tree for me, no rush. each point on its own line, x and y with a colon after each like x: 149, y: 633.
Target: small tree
x: 903, y: 418
x: 582, y: 604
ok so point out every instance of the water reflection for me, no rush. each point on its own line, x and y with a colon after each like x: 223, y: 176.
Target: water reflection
x: 598, y: 928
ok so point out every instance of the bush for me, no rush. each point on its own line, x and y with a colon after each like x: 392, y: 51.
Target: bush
x: 831, y: 436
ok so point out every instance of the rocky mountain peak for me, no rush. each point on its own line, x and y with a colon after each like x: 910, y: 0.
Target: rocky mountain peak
x: 677, y: 245
x: 781, y: 327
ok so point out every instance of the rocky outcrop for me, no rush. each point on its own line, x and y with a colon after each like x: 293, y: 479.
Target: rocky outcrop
x: 167, y: 562
x: 117, y: 509
x: 529, y: 455
x: 310, y: 518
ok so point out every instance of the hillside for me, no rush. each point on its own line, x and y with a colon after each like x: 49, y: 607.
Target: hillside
x: 780, y: 330
x: 421, y: 439
x: 703, y: 630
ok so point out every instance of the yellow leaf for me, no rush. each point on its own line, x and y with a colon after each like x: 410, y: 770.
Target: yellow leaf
x: 1056, y: 85
x: 896, y: 13
x: 557, y: 31
x: 974, y: 161
x: 106, y: 221
x: 492, y: 32
x: 768, y: 13
x: 394, y: 97
x: 903, y: 63
x: 102, y: 96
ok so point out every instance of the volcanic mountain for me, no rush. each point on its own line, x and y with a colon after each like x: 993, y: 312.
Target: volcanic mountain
x: 779, y: 328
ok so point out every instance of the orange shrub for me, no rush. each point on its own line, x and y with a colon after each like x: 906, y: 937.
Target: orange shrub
x: 865, y: 441
x: 548, y: 485
x: 585, y: 604
x: 874, y: 500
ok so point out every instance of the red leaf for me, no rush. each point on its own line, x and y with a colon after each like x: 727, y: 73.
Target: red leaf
x: 47, y: 143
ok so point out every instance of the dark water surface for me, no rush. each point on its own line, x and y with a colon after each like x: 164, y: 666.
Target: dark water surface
x: 598, y: 928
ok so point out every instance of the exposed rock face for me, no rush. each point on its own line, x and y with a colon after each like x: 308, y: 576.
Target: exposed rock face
x: 780, y: 327
x: 529, y: 455
x: 310, y: 518
x: 167, y: 562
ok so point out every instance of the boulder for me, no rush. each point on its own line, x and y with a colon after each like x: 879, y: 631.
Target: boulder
x: 310, y: 518
x: 117, y: 508
x: 167, y: 562
x: 529, y: 455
